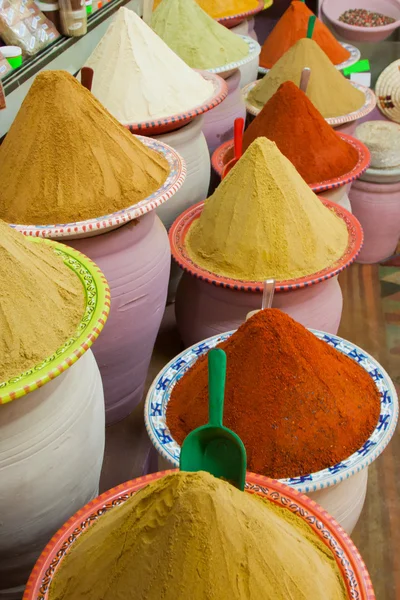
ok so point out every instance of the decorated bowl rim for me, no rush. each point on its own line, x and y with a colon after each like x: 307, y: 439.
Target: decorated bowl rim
x: 242, y: 16
x: 182, y: 223
x: 347, y: 557
x: 311, y: 482
x: 171, y: 185
x: 254, y: 51
x: 364, y: 157
x: 97, y: 308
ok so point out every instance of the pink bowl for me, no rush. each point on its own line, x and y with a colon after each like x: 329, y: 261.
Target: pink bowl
x: 354, y: 572
x: 332, y: 9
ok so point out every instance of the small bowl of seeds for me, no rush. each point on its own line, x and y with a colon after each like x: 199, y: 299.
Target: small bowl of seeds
x: 362, y: 20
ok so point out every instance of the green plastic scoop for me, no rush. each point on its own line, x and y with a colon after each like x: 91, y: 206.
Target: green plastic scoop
x: 213, y: 447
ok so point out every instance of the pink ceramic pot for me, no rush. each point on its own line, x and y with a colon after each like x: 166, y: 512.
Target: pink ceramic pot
x: 377, y: 207
x: 203, y: 310
x: 136, y: 262
x: 332, y: 9
x: 218, y: 123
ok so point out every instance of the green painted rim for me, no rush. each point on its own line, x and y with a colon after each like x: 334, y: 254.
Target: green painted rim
x: 97, y: 308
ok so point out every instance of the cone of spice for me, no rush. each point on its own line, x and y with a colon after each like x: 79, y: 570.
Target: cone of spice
x: 41, y: 302
x: 263, y: 221
x: 66, y: 159
x: 301, y: 133
x: 298, y: 404
x: 330, y: 92
x: 195, y: 36
x: 190, y: 535
x: 292, y: 27
x: 219, y: 9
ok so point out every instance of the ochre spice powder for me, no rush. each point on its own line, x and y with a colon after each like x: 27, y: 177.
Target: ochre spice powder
x: 298, y: 404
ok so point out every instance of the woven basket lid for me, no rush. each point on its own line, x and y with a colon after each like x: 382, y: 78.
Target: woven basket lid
x: 387, y: 91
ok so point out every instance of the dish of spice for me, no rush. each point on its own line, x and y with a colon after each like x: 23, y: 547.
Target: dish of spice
x: 283, y: 382
x: 360, y: 17
x: 41, y: 302
x: 190, y: 535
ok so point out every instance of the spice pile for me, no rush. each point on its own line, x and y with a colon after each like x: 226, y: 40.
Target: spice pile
x: 263, y: 221
x: 190, y: 535
x: 41, y: 302
x: 382, y: 139
x: 138, y: 77
x: 298, y: 404
x: 218, y: 9
x: 360, y: 17
x: 292, y: 27
x: 66, y: 159
x: 195, y: 36
x: 330, y: 92
x: 291, y: 121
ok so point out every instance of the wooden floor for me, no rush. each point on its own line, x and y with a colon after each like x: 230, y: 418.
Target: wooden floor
x: 371, y: 319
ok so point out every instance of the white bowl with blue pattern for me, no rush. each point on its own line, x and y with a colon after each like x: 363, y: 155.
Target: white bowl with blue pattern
x: 226, y: 71
x: 341, y: 488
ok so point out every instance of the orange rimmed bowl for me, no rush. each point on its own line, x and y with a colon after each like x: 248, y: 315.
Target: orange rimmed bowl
x: 164, y: 124
x: 354, y: 572
x: 224, y: 153
x: 181, y: 226
x: 235, y: 20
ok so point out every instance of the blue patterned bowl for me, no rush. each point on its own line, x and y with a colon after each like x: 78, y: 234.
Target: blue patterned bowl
x: 160, y: 391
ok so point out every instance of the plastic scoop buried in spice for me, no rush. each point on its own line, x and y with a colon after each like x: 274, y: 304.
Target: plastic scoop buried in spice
x: 238, y: 145
x: 267, y: 299
x: 213, y: 447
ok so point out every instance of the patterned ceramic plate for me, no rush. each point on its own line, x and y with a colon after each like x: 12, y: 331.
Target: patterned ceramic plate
x: 387, y: 91
x: 369, y: 105
x: 97, y: 307
x: 165, y: 124
x: 159, y: 394
x: 105, y: 223
x: 349, y: 561
x: 227, y: 70
x: 355, y: 56
x: 181, y: 225
x: 224, y: 153
x: 234, y: 20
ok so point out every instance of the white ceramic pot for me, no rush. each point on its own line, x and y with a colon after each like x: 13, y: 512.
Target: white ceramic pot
x: 377, y: 207
x: 249, y: 71
x: 136, y: 262
x: 242, y: 28
x: 203, y: 310
x: 51, y: 453
x: 218, y: 122
x: 190, y: 143
x: 343, y: 501
x: 339, y: 196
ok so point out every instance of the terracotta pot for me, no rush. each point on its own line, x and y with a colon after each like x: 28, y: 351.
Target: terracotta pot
x: 203, y: 310
x: 136, y: 262
x: 218, y: 123
x: 377, y: 207
x: 51, y: 453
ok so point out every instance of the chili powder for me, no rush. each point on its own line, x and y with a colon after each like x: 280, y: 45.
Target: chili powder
x: 301, y: 133
x: 298, y: 404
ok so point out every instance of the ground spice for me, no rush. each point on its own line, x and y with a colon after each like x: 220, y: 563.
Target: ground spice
x: 218, y: 9
x: 195, y: 36
x: 301, y: 133
x: 360, y: 17
x: 298, y: 404
x: 330, y: 92
x: 264, y: 221
x: 290, y: 28
x: 190, y: 535
x: 41, y: 302
x: 66, y: 159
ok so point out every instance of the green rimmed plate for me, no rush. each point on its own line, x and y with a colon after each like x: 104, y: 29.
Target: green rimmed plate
x: 97, y: 308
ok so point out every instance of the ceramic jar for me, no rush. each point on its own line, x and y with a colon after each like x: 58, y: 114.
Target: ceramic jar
x: 136, y: 262
x: 377, y: 207
x: 218, y: 123
x: 339, y: 195
x: 203, y: 310
x: 190, y: 143
x: 51, y: 453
